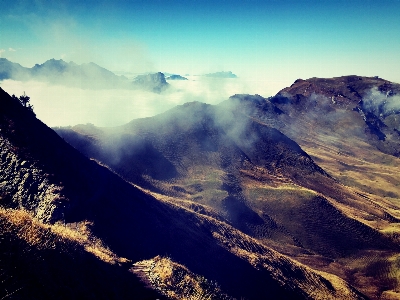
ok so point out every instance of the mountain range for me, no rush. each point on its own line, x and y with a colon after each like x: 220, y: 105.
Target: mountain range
x: 85, y: 76
x: 294, y: 196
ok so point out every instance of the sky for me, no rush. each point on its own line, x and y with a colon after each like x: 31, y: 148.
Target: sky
x: 281, y: 39
x: 266, y: 43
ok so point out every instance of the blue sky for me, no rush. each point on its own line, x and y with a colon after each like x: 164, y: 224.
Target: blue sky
x: 272, y: 40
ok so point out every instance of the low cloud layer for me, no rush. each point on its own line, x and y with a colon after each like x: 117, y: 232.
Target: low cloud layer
x: 381, y: 103
x: 58, y: 105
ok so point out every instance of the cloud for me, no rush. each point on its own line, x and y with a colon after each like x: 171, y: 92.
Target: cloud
x: 58, y: 105
x: 381, y: 103
x: 6, y: 52
x: 215, y: 90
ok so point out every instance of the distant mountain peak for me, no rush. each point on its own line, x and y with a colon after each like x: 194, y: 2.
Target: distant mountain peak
x: 57, y: 65
x: 154, y: 82
x: 176, y: 77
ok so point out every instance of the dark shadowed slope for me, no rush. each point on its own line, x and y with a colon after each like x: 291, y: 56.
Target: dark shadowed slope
x: 40, y: 261
x: 121, y: 225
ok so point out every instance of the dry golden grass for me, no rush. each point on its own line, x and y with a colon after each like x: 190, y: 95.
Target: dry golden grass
x: 202, y: 185
x: 312, y: 283
x: 176, y: 281
x: 375, y: 273
x: 358, y: 165
x: 370, y: 175
x: 275, y: 198
x: 46, y: 236
x: 281, y: 195
x: 371, y: 186
x: 390, y: 295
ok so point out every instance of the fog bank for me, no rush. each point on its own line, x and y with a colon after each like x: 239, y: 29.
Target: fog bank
x: 58, y: 105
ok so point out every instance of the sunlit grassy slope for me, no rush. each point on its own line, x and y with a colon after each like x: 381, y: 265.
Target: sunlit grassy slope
x: 349, y: 146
